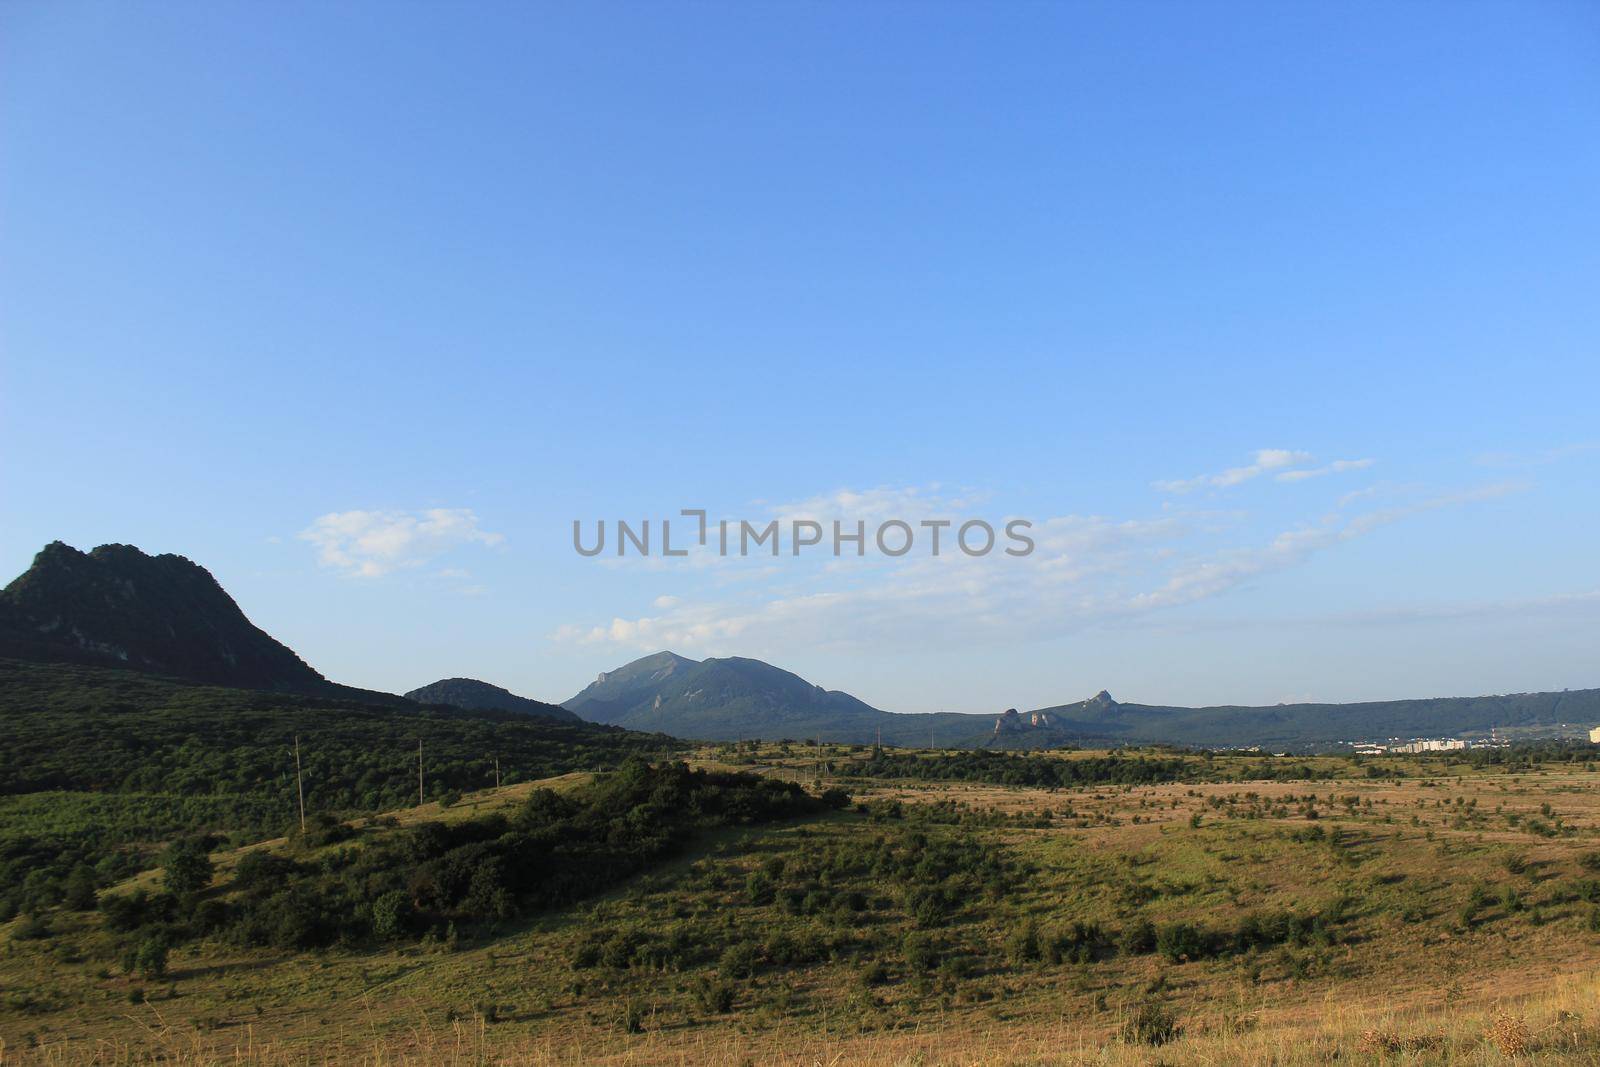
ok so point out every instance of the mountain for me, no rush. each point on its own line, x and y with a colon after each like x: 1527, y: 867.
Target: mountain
x: 118, y: 607
x: 473, y: 694
x: 1303, y: 726
x: 736, y: 698
x: 715, y: 698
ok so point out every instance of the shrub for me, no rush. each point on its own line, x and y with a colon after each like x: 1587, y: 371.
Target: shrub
x: 1023, y: 944
x: 1181, y: 942
x: 148, y: 958
x: 391, y: 914
x: 1510, y: 1034
x: 738, y: 961
x: 30, y: 928
x: 186, y: 867
x: 261, y: 872
x: 128, y: 912
x: 78, y: 893
x: 758, y: 888
x: 1138, y: 938
x: 1079, y: 942
x: 1150, y: 1024
x: 714, y: 996
x: 919, y: 953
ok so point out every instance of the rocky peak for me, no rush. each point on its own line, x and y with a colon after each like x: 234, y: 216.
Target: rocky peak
x: 120, y: 607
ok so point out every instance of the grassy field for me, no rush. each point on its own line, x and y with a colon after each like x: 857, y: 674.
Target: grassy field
x: 1405, y: 910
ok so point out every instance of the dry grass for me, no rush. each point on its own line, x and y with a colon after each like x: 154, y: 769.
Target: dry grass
x: 1422, y: 991
x: 1543, y: 1029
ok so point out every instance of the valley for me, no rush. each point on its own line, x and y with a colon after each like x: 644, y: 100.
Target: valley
x: 1240, y: 910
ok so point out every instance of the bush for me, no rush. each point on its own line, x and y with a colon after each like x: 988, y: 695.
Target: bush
x: 30, y: 928
x: 1023, y: 944
x: 128, y: 912
x: 874, y: 973
x: 261, y: 872
x: 738, y: 961
x: 391, y: 914
x: 148, y: 958
x: 759, y: 889
x: 186, y: 867
x: 1181, y: 942
x: 78, y: 894
x: 919, y: 952
x: 1079, y: 942
x: 713, y: 996
x: 1138, y: 938
x: 1150, y: 1024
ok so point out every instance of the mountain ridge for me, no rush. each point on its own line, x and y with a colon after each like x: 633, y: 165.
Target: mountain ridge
x: 118, y: 606
x: 470, y: 693
x: 736, y: 698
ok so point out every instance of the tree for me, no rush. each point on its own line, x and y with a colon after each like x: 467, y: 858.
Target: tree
x: 79, y: 891
x: 391, y: 914
x: 149, y: 958
x: 187, y: 867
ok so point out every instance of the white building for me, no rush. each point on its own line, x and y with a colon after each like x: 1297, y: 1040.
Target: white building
x: 1448, y: 744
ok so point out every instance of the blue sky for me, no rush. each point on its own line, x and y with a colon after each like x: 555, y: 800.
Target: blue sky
x: 362, y: 305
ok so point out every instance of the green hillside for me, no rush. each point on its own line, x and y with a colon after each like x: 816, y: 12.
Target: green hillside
x: 100, y: 766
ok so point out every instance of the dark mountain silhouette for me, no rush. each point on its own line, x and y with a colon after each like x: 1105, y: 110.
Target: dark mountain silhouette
x: 165, y: 615
x: 1300, y: 726
x: 118, y: 607
x: 736, y: 698
x: 473, y: 694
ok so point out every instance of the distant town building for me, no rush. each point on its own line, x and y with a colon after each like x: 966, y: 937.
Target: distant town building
x: 1446, y: 744
x: 1594, y: 736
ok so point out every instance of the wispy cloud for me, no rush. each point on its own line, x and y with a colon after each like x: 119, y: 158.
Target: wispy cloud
x: 1285, y: 465
x: 1210, y: 577
x: 1338, y: 466
x: 1087, y: 570
x: 1539, y: 458
x: 1266, y: 461
x: 370, y: 544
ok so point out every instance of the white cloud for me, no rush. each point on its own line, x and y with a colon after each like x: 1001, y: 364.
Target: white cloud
x: 1267, y: 460
x: 1338, y: 466
x: 1087, y: 570
x: 1539, y: 458
x: 370, y: 544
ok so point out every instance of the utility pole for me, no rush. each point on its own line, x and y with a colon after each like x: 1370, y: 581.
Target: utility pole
x: 497, y: 772
x: 419, y: 772
x: 299, y: 785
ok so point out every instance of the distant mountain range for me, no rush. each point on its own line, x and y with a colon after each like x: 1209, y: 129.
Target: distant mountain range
x: 119, y: 607
x: 735, y: 698
x: 481, y: 696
